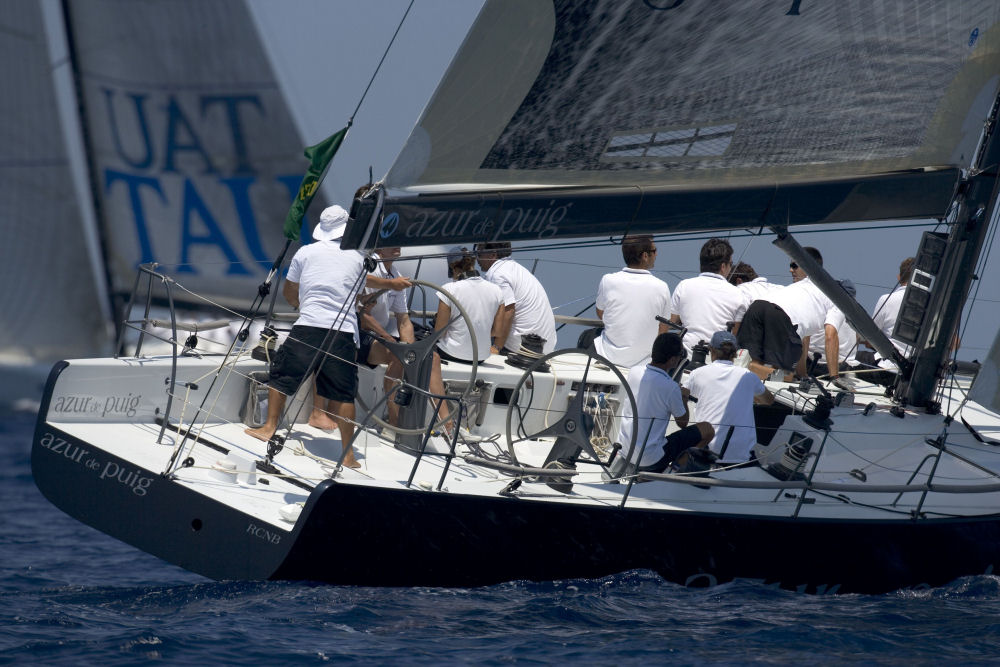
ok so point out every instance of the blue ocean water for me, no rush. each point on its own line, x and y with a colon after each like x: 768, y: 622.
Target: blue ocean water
x: 71, y: 595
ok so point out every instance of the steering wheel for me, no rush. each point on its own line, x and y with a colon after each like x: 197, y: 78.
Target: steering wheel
x: 412, y: 355
x: 573, y: 424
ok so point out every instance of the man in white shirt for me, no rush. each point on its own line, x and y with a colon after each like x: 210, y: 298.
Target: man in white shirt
x: 526, y: 305
x: 839, y: 337
x: 482, y: 301
x: 725, y: 397
x: 708, y: 303
x: 776, y: 331
x: 628, y: 302
x: 754, y: 286
x: 384, y: 315
x: 885, y: 313
x: 658, y: 398
x: 322, y: 283
x: 887, y: 310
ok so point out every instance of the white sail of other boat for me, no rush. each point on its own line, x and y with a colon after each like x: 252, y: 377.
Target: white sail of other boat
x: 194, y: 154
x: 51, y: 277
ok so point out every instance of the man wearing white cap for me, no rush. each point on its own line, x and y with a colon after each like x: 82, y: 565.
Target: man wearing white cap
x: 322, y: 283
x: 725, y: 396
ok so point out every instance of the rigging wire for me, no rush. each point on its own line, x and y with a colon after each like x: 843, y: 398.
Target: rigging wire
x: 379, y: 66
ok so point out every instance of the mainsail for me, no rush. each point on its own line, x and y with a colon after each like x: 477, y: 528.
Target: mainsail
x: 573, y: 118
x: 50, y: 306
x: 194, y: 154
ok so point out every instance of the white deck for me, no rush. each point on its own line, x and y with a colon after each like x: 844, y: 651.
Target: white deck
x: 879, y: 448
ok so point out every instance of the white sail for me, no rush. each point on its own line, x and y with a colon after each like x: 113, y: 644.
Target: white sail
x: 50, y: 306
x: 193, y: 152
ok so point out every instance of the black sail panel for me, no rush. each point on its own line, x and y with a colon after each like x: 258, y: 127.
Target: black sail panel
x: 729, y: 104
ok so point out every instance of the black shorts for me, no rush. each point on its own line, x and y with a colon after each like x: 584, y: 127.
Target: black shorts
x: 769, y: 336
x: 677, y: 442
x: 367, y: 338
x: 337, y: 378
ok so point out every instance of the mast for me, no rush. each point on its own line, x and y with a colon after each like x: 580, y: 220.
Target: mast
x: 975, y: 204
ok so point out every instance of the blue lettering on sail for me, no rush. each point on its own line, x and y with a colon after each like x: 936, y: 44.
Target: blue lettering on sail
x: 133, y: 183
x: 232, y: 104
x: 239, y: 186
x: 180, y: 165
x: 177, y: 123
x: 193, y: 203
x: 138, y: 100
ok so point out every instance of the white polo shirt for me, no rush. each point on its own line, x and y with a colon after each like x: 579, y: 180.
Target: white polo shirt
x: 885, y: 314
x: 758, y: 288
x: 725, y: 396
x: 390, y: 303
x: 630, y: 299
x: 532, y: 311
x: 805, y: 306
x: 657, y: 398
x: 481, y: 299
x: 329, y: 278
x: 846, y: 337
x: 705, y: 304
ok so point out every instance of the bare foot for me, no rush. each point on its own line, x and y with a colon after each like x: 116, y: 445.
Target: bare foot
x: 351, y: 462
x: 323, y: 423
x: 262, y: 433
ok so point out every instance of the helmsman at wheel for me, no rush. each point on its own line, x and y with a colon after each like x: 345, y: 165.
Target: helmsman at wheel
x: 322, y: 283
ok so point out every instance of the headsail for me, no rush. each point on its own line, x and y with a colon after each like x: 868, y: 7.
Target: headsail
x: 50, y: 306
x: 573, y: 118
x: 195, y: 156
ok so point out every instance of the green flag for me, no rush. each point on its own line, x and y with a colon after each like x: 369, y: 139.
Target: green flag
x: 319, y: 157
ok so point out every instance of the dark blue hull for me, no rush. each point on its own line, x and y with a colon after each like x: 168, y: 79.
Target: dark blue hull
x: 394, y: 537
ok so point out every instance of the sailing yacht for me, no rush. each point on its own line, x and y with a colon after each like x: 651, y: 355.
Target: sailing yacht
x: 574, y: 120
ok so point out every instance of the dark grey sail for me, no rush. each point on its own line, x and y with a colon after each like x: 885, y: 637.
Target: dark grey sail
x: 194, y: 155
x: 572, y: 118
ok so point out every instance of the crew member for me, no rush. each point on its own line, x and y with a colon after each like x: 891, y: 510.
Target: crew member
x: 526, y: 308
x: 754, y: 286
x: 726, y: 395
x: 385, y: 316
x: 322, y: 284
x: 628, y: 302
x: 708, y: 303
x: 483, y: 303
x: 658, y: 398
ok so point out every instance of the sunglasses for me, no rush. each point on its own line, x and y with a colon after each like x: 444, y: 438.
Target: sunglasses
x: 793, y: 265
